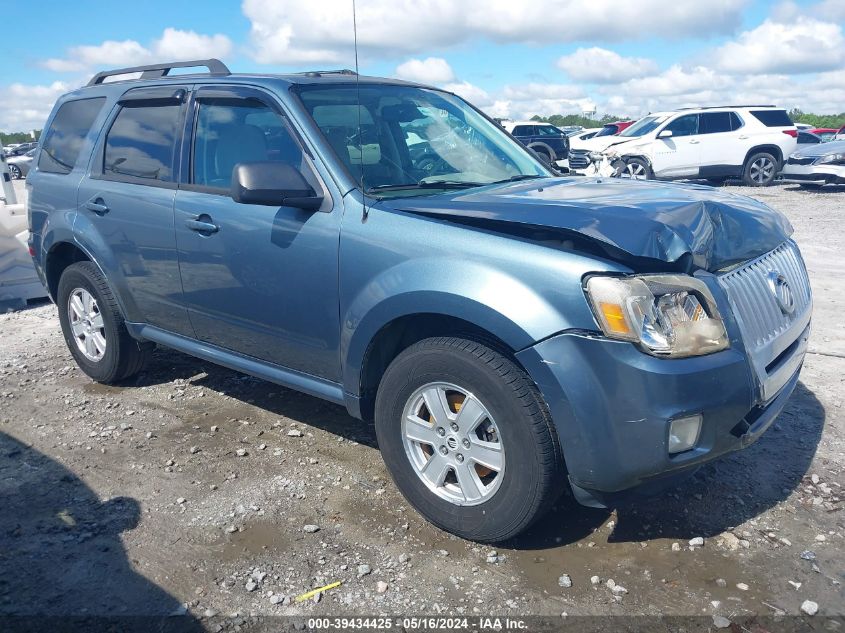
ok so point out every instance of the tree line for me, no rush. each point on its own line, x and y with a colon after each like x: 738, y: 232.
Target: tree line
x: 18, y: 137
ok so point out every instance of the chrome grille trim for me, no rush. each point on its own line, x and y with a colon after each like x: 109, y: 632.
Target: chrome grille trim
x: 579, y: 159
x: 768, y: 331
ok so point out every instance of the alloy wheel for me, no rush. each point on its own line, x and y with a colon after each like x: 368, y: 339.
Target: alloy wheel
x: 86, y: 324
x: 453, y: 443
x: 762, y: 170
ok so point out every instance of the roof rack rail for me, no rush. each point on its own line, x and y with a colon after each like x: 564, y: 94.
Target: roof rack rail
x: 340, y: 71
x: 155, y: 71
x: 729, y: 106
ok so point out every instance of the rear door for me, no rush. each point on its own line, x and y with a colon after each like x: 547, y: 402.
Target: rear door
x: 722, y: 148
x: 126, y: 205
x: 264, y: 281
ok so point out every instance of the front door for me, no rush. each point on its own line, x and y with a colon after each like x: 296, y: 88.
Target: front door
x: 126, y: 206
x: 678, y: 154
x: 258, y: 280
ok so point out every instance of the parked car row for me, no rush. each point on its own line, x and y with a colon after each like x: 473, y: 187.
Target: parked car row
x: 18, y: 149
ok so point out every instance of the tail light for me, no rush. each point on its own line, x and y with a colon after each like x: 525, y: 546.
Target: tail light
x: 792, y: 133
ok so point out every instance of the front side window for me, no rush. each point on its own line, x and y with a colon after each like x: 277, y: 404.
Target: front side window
x: 232, y: 131
x: 685, y: 125
x: 63, y: 142
x: 405, y: 139
x: 141, y: 143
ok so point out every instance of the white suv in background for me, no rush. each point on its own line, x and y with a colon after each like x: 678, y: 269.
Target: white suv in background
x: 746, y: 142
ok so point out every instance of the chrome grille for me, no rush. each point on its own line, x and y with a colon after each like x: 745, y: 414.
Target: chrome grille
x: 768, y: 330
x: 755, y: 304
x: 801, y: 161
x: 578, y: 159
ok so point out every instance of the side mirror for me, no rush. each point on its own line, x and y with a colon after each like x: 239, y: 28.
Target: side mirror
x: 665, y: 134
x: 273, y: 184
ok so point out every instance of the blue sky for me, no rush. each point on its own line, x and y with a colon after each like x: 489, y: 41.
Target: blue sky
x: 511, y: 59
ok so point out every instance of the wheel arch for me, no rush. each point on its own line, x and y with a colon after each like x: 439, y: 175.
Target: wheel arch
x: 772, y: 149
x: 59, y: 257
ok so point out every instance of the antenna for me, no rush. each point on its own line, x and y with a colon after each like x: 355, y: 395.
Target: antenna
x: 358, y: 96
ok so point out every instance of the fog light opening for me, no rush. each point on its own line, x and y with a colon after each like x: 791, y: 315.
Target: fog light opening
x: 683, y: 433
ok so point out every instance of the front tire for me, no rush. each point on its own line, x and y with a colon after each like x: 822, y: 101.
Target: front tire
x: 468, y: 439
x: 93, y: 326
x: 15, y: 172
x: 636, y: 169
x: 760, y: 170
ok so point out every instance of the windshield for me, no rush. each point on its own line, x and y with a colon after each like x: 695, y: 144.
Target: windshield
x: 643, y: 126
x: 414, y: 141
x: 607, y: 130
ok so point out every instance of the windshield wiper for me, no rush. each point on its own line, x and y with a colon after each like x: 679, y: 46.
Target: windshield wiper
x: 517, y: 178
x: 431, y: 184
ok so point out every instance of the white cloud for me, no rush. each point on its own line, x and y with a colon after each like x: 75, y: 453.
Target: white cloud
x: 26, y: 107
x: 599, y: 65
x: 283, y: 33
x: 830, y: 10
x: 801, y: 45
x: 432, y: 70
x: 174, y: 44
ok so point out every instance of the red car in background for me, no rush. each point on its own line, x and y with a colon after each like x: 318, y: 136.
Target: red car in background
x: 826, y: 133
x: 612, y: 129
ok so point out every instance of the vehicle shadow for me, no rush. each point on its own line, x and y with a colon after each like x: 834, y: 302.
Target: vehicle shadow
x: 812, y: 190
x: 169, y: 365
x: 721, y: 495
x: 63, y: 566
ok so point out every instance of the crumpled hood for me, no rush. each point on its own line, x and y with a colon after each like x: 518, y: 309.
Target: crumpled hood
x: 656, y: 220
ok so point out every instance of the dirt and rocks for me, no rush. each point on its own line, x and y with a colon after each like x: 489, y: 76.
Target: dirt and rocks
x: 196, y: 489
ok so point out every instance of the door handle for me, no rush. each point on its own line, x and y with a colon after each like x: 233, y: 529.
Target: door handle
x: 202, y: 227
x: 97, y: 206
x: 694, y: 142
x: 743, y: 137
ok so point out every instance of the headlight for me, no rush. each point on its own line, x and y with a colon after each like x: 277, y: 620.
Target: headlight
x: 667, y: 315
x: 828, y: 159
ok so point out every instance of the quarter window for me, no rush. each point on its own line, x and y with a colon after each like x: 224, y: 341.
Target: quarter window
x: 232, y: 131
x: 142, y: 143
x: 63, y: 142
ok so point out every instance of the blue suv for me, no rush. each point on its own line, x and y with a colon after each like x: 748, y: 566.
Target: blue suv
x: 513, y: 334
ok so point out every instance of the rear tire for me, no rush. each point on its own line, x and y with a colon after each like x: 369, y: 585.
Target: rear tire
x: 760, y: 170
x: 96, y: 333
x: 514, y: 421
x: 15, y: 172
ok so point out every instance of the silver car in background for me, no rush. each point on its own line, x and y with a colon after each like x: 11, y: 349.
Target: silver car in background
x: 816, y: 165
x: 19, y: 165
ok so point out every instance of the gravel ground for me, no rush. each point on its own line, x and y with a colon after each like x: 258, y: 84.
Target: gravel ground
x: 196, y: 487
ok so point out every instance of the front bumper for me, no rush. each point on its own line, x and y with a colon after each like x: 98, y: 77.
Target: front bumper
x: 612, y: 406
x: 814, y: 174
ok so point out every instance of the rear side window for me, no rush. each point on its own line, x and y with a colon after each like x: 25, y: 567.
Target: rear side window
x: 773, y: 118
x: 63, y: 141
x: 142, y: 143
x: 714, y: 122
x: 548, y: 130
x: 523, y: 130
